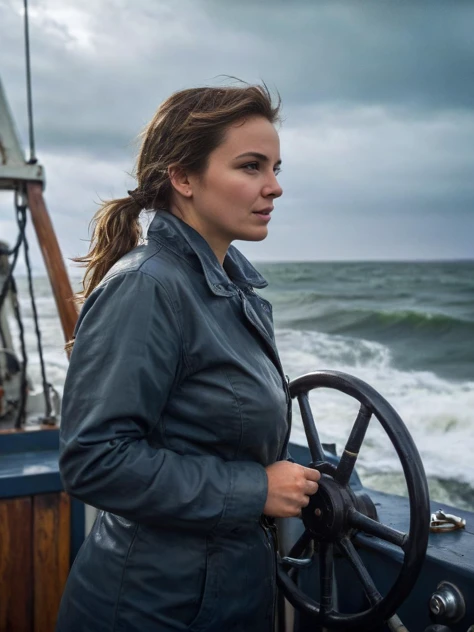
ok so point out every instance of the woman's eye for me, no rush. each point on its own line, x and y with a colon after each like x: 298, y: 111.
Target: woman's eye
x: 251, y: 166
x: 254, y: 166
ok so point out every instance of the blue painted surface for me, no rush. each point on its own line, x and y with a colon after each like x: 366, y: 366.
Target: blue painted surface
x: 29, y: 463
x: 29, y: 441
x: 29, y: 473
x: 29, y: 466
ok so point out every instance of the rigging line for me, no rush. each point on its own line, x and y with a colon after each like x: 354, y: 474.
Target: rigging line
x: 10, y: 284
x: 46, y: 385
x: 9, y: 276
x: 33, y: 158
x: 21, y: 410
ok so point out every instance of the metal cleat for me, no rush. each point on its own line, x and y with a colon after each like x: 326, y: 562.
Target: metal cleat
x: 442, y: 522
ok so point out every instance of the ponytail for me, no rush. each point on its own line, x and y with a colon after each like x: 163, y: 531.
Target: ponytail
x: 116, y: 231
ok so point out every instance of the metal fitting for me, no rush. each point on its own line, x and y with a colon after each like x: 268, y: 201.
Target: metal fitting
x: 447, y: 603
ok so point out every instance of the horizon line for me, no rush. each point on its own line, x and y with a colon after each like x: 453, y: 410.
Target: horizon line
x: 71, y: 272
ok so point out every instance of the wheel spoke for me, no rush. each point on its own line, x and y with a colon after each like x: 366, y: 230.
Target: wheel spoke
x: 315, y: 447
x: 300, y: 545
x: 353, y: 445
x: 326, y: 574
x: 372, y: 527
x: 358, y: 565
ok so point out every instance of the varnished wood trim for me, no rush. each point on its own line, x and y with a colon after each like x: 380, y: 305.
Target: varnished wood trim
x: 53, y: 259
x: 51, y: 551
x: 16, y: 572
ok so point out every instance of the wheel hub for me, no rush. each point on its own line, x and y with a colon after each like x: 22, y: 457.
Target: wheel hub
x: 326, y: 515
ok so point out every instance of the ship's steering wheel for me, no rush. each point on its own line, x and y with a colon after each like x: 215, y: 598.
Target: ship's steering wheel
x: 335, y: 514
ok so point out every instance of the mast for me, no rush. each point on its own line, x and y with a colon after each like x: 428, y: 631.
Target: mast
x: 19, y: 176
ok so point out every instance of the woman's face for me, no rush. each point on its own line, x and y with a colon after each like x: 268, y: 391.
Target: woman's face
x: 234, y: 197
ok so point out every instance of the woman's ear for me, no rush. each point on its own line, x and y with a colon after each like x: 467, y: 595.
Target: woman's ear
x: 180, y: 181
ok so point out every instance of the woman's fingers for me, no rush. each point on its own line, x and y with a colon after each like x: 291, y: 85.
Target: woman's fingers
x: 311, y: 488
x: 311, y: 481
x: 290, y: 487
x: 311, y: 474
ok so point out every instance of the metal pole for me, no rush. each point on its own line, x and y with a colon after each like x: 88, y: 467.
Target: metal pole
x: 32, y: 159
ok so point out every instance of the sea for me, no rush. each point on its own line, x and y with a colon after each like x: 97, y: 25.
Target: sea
x: 405, y: 328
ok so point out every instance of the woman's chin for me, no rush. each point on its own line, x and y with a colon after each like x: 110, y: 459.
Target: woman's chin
x: 254, y: 234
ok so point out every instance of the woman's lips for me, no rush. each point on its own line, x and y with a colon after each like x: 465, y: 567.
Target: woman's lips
x: 265, y: 215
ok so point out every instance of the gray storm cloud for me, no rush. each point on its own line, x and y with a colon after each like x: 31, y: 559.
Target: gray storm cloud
x: 378, y: 131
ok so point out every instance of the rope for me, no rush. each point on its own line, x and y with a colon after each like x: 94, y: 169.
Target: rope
x: 2, y: 339
x: 32, y: 159
x: 14, y: 251
x: 46, y: 385
x: 10, y: 284
x: 21, y: 411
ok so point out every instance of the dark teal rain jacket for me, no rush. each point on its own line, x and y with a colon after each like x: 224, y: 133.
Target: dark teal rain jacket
x: 174, y: 402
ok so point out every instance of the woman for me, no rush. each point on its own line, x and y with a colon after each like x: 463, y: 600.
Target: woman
x: 176, y: 409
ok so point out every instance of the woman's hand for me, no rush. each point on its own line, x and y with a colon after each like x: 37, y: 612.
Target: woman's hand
x: 289, y: 487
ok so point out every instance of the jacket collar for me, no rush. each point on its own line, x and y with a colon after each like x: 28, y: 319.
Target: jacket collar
x: 184, y: 240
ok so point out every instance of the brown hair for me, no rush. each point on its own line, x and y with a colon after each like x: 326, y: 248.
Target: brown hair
x: 186, y: 128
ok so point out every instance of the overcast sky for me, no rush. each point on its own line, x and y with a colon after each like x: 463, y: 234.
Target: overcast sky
x: 378, y: 106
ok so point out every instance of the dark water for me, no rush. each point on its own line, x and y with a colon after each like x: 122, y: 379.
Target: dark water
x: 422, y: 312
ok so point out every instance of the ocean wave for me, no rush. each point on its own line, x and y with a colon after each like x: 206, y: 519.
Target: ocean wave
x: 361, y: 320
x: 450, y: 491
x: 437, y: 412
x: 418, y: 340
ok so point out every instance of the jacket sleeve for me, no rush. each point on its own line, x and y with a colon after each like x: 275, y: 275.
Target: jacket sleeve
x: 127, y: 357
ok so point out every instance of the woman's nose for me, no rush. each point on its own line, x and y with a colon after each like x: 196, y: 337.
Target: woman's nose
x: 273, y: 188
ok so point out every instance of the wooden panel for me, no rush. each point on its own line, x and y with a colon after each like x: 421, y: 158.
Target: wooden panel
x: 53, y: 259
x: 51, y: 542
x: 16, y: 571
